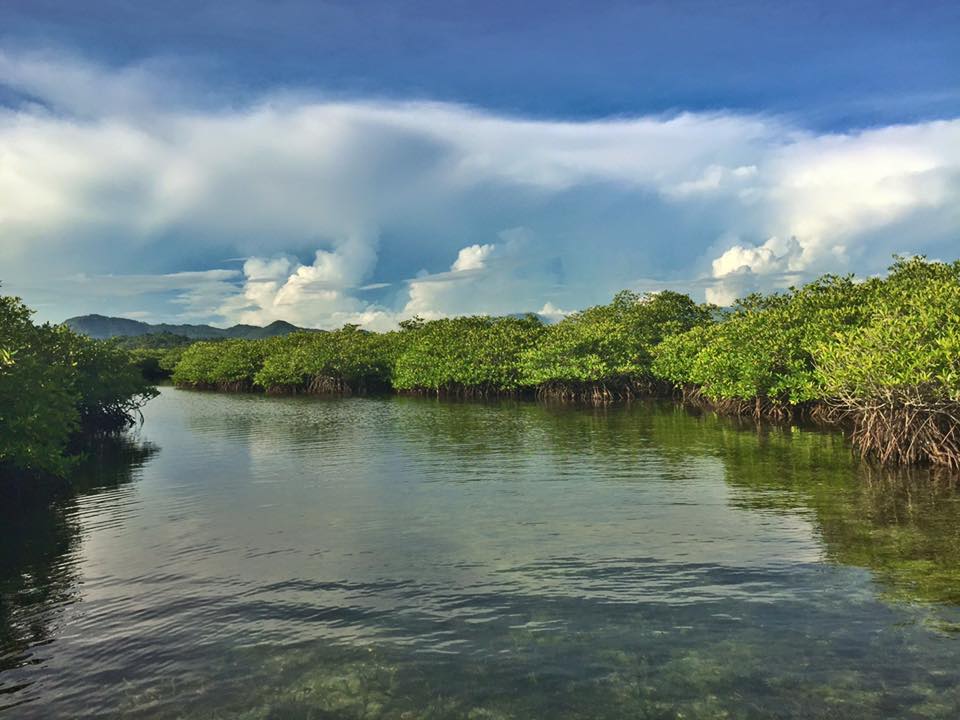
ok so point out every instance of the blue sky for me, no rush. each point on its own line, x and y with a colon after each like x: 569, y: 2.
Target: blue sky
x: 364, y: 161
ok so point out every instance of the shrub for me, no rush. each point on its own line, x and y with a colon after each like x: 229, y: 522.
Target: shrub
x: 197, y: 366
x: 342, y: 361
x: 896, y: 377
x: 910, y: 337
x: 156, y: 354
x: 760, y: 355
x: 608, y: 348
x: 466, y: 356
x: 53, y: 384
x: 110, y: 385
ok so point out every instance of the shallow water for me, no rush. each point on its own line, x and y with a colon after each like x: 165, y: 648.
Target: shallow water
x: 251, y: 557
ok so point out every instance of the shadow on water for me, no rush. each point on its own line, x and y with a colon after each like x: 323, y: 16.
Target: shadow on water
x: 41, y: 535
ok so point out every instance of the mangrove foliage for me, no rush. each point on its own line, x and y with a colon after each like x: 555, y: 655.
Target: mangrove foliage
x: 879, y: 357
x: 57, y: 388
x: 156, y: 354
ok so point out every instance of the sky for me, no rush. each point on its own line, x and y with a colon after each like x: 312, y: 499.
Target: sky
x: 367, y: 161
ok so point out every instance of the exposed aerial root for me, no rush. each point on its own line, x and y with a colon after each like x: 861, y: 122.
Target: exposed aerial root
x: 238, y: 386
x: 603, y: 392
x: 759, y: 408
x: 467, y: 392
x: 902, y: 427
x: 331, y: 386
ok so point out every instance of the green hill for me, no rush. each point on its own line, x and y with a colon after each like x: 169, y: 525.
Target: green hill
x: 102, y: 327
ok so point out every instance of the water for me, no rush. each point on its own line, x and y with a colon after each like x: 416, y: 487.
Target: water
x: 250, y: 557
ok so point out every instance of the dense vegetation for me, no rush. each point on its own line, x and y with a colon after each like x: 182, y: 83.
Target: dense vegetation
x: 606, y: 352
x: 57, y: 387
x: 896, y: 375
x: 156, y: 354
x: 881, y: 357
x: 344, y: 361
x: 758, y: 358
x: 467, y: 356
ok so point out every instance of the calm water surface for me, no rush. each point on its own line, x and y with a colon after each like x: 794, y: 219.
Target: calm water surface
x: 251, y: 557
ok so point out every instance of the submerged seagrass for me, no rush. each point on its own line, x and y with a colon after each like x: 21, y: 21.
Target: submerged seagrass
x: 880, y: 358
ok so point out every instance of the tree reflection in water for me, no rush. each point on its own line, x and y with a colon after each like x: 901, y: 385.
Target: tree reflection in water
x: 39, y: 552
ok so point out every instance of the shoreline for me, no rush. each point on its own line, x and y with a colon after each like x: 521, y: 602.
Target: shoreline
x: 815, y: 415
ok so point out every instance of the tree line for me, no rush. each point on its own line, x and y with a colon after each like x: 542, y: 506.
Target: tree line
x: 879, y: 357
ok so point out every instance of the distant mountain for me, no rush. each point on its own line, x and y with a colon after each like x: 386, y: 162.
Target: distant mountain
x: 102, y: 327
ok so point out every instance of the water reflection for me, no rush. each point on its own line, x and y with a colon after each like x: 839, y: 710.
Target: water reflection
x: 403, y: 558
x: 902, y: 524
x: 39, y: 578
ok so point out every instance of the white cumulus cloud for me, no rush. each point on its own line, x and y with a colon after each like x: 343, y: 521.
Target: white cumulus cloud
x: 337, y: 205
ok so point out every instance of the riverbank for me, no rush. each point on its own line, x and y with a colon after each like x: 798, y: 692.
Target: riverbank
x: 879, y: 358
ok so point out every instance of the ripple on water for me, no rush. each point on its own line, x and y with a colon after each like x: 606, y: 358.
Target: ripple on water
x: 398, y: 558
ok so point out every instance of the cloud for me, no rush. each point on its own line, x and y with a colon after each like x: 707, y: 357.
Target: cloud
x: 552, y: 313
x: 713, y: 179
x: 318, y: 293
x: 433, y: 296
x: 336, y: 206
x: 59, y: 82
x: 742, y: 269
x: 498, y: 278
x: 191, y: 293
x: 472, y: 257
